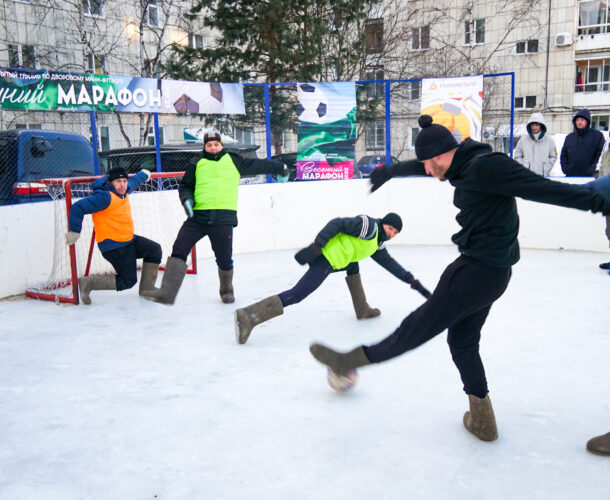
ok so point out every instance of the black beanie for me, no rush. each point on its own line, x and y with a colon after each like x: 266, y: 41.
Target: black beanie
x: 393, y: 220
x: 117, y: 173
x: 211, y: 134
x: 433, y: 139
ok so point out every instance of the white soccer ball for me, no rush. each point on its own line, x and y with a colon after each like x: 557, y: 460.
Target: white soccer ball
x: 342, y: 383
x: 313, y: 103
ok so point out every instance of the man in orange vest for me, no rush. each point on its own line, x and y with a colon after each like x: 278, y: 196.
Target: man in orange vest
x: 114, y: 232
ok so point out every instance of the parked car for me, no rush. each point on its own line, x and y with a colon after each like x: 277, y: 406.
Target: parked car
x: 29, y: 155
x: 367, y: 163
x: 174, y: 157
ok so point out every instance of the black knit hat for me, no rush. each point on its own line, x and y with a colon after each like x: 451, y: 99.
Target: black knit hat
x: 211, y: 134
x: 433, y: 139
x: 393, y: 220
x: 117, y: 173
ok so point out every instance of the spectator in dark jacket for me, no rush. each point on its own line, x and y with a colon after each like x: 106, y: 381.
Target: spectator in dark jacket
x: 486, y: 184
x: 582, y: 148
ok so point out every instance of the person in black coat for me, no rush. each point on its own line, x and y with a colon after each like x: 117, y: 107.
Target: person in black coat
x: 486, y: 184
x: 581, y: 148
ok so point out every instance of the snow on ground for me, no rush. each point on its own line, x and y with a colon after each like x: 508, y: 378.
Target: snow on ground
x: 128, y: 399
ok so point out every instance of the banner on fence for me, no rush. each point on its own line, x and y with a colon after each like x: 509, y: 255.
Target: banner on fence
x: 456, y: 103
x: 62, y: 91
x: 326, y: 130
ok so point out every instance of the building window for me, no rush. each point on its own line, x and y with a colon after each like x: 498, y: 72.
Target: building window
x: 374, y: 35
x: 414, y: 132
x: 527, y: 102
x: 152, y: 69
x: 592, y: 75
x: 527, y: 47
x: 151, y: 13
x: 244, y: 135
x: 414, y: 91
x: 30, y: 126
x: 22, y: 56
x: 96, y: 64
x: 151, y: 136
x: 593, y: 17
x: 104, y: 138
x: 93, y: 7
x: 600, y: 122
x: 474, y: 32
x: 375, y: 135
x: 196, y: 41
x: 420, y: 38
x: 375, y: 90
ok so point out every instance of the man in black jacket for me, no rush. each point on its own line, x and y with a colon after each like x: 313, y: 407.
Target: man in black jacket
x: 486, y: 184
x: 339, y: 246
x: 581, y: 148
x: 208, y: 192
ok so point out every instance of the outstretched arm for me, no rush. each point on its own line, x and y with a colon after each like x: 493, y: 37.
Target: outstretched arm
x: 385, y: 260
x: 254, y: 166
x: 380, y: 175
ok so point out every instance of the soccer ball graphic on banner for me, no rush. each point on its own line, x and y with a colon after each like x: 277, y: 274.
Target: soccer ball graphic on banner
x: 313, y: 103
x: 342, y: 383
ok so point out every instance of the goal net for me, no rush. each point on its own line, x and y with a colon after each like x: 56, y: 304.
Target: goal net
x: 157, y: 213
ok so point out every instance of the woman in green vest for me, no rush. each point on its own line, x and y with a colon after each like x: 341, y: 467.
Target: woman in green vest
x: 208, y: 192
x: 337, y: 247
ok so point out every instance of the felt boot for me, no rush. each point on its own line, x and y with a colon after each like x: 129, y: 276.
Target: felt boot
x: 226, y: 286
x: 600, y: 445
x: 361, y: 307
x: 148, y: 277
x: 339, y: 362
x: 248, y: 317
x: 480, y: 420
x: 175, y: 269
x: 98, y: 282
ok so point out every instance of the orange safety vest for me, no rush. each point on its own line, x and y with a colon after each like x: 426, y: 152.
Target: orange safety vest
x: 115, y: 221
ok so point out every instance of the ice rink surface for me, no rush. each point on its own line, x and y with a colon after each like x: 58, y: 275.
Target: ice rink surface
x: 128, y: 399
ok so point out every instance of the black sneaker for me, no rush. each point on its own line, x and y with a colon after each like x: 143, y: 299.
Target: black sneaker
x: 605, y: 265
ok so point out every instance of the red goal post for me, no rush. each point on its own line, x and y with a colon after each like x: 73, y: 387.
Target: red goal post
x: 158, y: 215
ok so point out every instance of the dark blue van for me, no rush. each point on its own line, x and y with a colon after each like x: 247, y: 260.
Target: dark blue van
x: 29, y: 155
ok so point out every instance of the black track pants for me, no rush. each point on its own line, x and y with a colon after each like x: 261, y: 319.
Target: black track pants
x: 124, y: 260
x: 221, y: 238
x: 460, y: 303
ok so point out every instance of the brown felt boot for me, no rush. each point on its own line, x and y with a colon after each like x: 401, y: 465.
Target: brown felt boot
x: 175, y: 269
x: 248, y: 317
x: 226, y: 286
x: 339, y: 362
x: 148, y: 277
x: 98, y: 282
x: 600, y: 445
x: 361, y: 307
x: 480, y: 420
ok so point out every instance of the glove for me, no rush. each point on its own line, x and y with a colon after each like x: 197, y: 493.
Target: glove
x: 416, y: 285
x: 308, y: 254
x: 283, y: 177
x: 380, y: 175
x: 147, y: 172
x: 188, y: 207
x: 71, y: 237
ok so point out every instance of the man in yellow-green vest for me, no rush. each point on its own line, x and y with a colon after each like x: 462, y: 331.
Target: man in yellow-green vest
x: 208, y: 192
x: 339, y: 246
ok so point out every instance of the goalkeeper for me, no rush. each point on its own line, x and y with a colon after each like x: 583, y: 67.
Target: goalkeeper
x: 208, y: 192
x: 337, y: 247
x: 114, y: 232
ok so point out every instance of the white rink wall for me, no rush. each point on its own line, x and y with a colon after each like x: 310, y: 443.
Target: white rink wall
x: 286, y: 216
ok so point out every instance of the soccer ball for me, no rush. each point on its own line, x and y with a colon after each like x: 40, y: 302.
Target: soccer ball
x: 342, y: 383
x: 313, y: 104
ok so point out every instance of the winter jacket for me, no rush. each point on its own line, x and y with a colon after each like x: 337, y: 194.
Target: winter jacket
x: 536, y: 153
x: 486, y: 184
x: 99, y: 201
x: 582, y: 148
x: 365, y: 228
x: 245, y: 166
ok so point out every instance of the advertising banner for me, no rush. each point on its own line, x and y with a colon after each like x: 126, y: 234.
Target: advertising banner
x: 62, y: 91
x: 326, y: 130
x: 456, y: 103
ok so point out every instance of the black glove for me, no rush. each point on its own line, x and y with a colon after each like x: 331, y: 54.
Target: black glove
x: 308, y: 254
x: 380, y: 175
x: 416, y: 285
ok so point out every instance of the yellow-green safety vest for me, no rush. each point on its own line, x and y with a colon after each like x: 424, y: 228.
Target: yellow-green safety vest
x: 343, y: 249
x: 216, y: 184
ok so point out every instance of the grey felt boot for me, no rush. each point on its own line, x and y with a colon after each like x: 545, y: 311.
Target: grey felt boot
x: 248, y: 317
x: 361, y: 307
x: 600, y: 445
x: 98, y: 282
x: 175, y: 269
x: 148, y: 277
x: 226, y: 286
x: 339, y: 362
x: 480, y: 420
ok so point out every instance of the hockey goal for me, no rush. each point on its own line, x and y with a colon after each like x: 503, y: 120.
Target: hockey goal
x: 157, y: 213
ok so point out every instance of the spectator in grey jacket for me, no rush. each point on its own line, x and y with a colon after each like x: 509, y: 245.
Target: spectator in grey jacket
x: 536, y: 150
